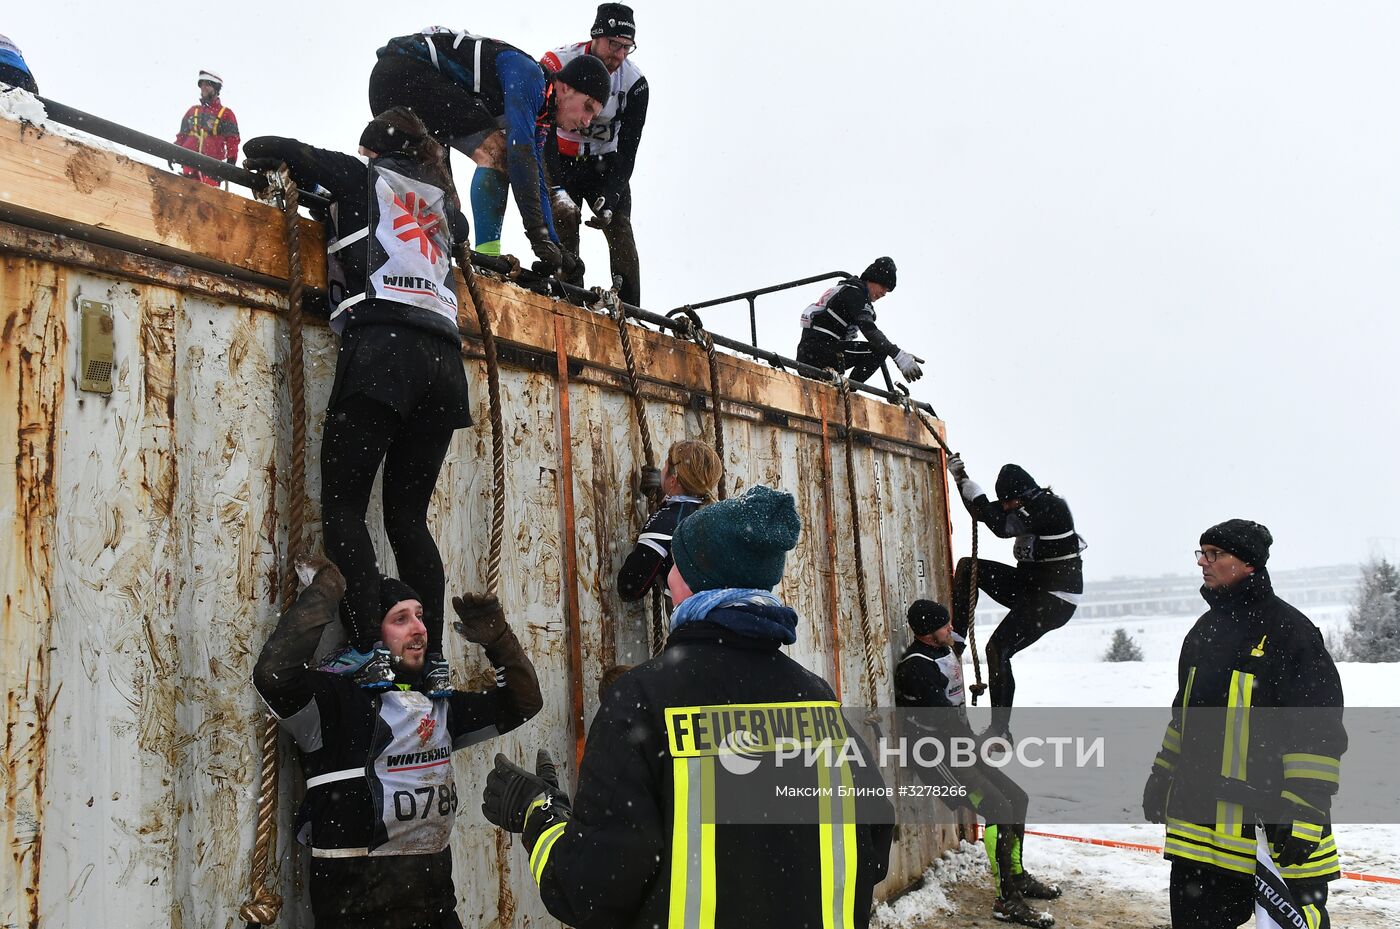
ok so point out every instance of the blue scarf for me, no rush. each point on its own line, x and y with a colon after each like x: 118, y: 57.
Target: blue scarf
x: 772, y: 619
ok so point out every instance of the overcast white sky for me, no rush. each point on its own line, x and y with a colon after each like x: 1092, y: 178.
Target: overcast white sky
x: 1149, y: 250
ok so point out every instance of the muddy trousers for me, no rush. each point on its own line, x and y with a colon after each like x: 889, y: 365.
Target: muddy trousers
x: 360, y: 434
x: 1034, y: 611
x: 1208, y: 898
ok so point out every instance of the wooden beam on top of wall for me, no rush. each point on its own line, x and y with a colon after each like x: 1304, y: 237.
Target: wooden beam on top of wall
x: 97, y: 194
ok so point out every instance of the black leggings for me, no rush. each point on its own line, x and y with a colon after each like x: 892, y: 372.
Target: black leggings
x: 1000, y: 802
x: 360, y: 433
x: 862, y: 358
x: 452, y: 113
x: 1034, y: 611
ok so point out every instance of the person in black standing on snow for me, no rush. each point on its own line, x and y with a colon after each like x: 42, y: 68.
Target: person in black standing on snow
x: 400, y: 388
x: 1041, y: 591
x: 830, y: 327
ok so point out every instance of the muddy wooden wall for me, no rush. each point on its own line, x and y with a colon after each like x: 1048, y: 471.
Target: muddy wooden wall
x: 146, y: 543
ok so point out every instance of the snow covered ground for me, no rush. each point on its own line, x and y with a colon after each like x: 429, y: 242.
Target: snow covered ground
x: 1064, y: 669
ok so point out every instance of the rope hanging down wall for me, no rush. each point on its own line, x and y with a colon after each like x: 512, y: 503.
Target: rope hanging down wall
x: 689, y: 326
x: 610, y: 302
x: 498, y: 438
x: 262, y: 905
x: 978, y: 687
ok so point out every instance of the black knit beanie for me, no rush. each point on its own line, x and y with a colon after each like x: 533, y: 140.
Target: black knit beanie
x: 926, y: 616
x: 614, y: 19
x: 881, y: 271
x: 393, y: 591
x: 588, y: 75
x: 383, y: 139
x: 1244, y: 538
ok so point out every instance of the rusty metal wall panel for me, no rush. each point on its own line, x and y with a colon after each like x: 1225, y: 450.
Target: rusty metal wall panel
x: 131, y: 744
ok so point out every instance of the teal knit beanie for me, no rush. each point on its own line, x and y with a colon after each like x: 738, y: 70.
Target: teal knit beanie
x: 740, y: 542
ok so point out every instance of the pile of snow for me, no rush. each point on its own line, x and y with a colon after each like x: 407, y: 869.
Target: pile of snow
x: 21, y: 106
x: 965, y: 863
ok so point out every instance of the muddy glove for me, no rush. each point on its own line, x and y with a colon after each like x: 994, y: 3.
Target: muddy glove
x: 1154, y: 795
x: 519, y: 801
x: 481, y: 619
x: 957, y: 469
x: 909, y: 366
x: 650, y: 484
x: 312, y: 569
x: 602, y: 216
x: 550, y: 255
x: 563, y: 206
x: 571, y: 267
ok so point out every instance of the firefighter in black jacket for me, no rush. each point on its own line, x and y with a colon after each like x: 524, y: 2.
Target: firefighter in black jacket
x: 1040, y: 593
x: 929, y: 677
x: 380, y: 797
x: 647, y: 842
x: 1220, y: 772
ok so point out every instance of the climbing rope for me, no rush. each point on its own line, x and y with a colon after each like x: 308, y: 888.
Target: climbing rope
x: 609, y: 301
x: 689, y: 326
x: 262, y: 906
x: 978, y: 687
x: 866, y: 633
x: 498, y: 438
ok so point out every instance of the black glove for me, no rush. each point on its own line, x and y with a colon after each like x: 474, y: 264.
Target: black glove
x: 1154, y: 795
x: 233, y: 160
x: 481, y: 619
x: 261, y: 164
x: 1296, y: 840
x: 550, y: 255
x: 650, y: 483
x: 519, y: 801
x: 572, y: 267
x: 171, y: 165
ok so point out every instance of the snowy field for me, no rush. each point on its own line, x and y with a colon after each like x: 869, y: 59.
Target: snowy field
x: 1064, y: 669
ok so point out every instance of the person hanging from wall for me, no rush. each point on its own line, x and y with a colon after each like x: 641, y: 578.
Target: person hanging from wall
x: 688, y: 479
x: 494, y: 104
x: 400, y: 388
x: 929, y: 678
x: 637, y: 846
x: 13, y: 69
x: 381, y: 801
x: 209, y: 128
x: 1041, y: 592
x: 594, y: 165
x: 831, y: 325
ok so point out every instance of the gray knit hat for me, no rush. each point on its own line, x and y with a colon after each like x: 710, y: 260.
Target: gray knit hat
x: 739, y: 542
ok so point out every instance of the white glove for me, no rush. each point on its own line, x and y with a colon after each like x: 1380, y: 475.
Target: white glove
x: 564, y: 206
x: 957, y: 468
x: 601, y: 217
x: 909, y: 365
x: 970, y: 490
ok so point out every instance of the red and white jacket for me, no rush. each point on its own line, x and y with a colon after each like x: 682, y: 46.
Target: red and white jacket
x: 210, y: 129
x: 626, y: 106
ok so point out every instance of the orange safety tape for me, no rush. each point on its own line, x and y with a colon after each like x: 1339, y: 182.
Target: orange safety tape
x: 1157, y: 849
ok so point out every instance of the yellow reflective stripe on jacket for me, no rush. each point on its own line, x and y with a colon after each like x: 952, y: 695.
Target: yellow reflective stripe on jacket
x: 1234, y: 760
x: 1316, y: 767
x: 1171, y: 741
x: 543, y: 846
x: 838, y: 848
x: 1310, y: 831
x: 693, y: 844
x: 1204, y: 834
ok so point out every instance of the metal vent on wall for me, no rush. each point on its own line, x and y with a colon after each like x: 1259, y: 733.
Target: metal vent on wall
x: 98, y: 346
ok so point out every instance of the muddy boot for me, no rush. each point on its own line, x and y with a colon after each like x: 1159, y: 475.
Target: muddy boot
x: 1028, y: 885
x: 1014, y: 909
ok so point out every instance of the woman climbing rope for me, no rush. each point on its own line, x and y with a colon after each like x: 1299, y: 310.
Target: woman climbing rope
x: 688, y: 480
x: 400, y: 387
x: 1041, y: 591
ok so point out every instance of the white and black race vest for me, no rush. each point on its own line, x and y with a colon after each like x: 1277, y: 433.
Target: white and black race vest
x: 410, y: 781
x: 600, y: 136
x: 821, y: 318
x: 406, y: 247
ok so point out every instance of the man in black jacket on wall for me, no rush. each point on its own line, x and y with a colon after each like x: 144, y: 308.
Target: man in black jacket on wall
x: 647, y: 842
